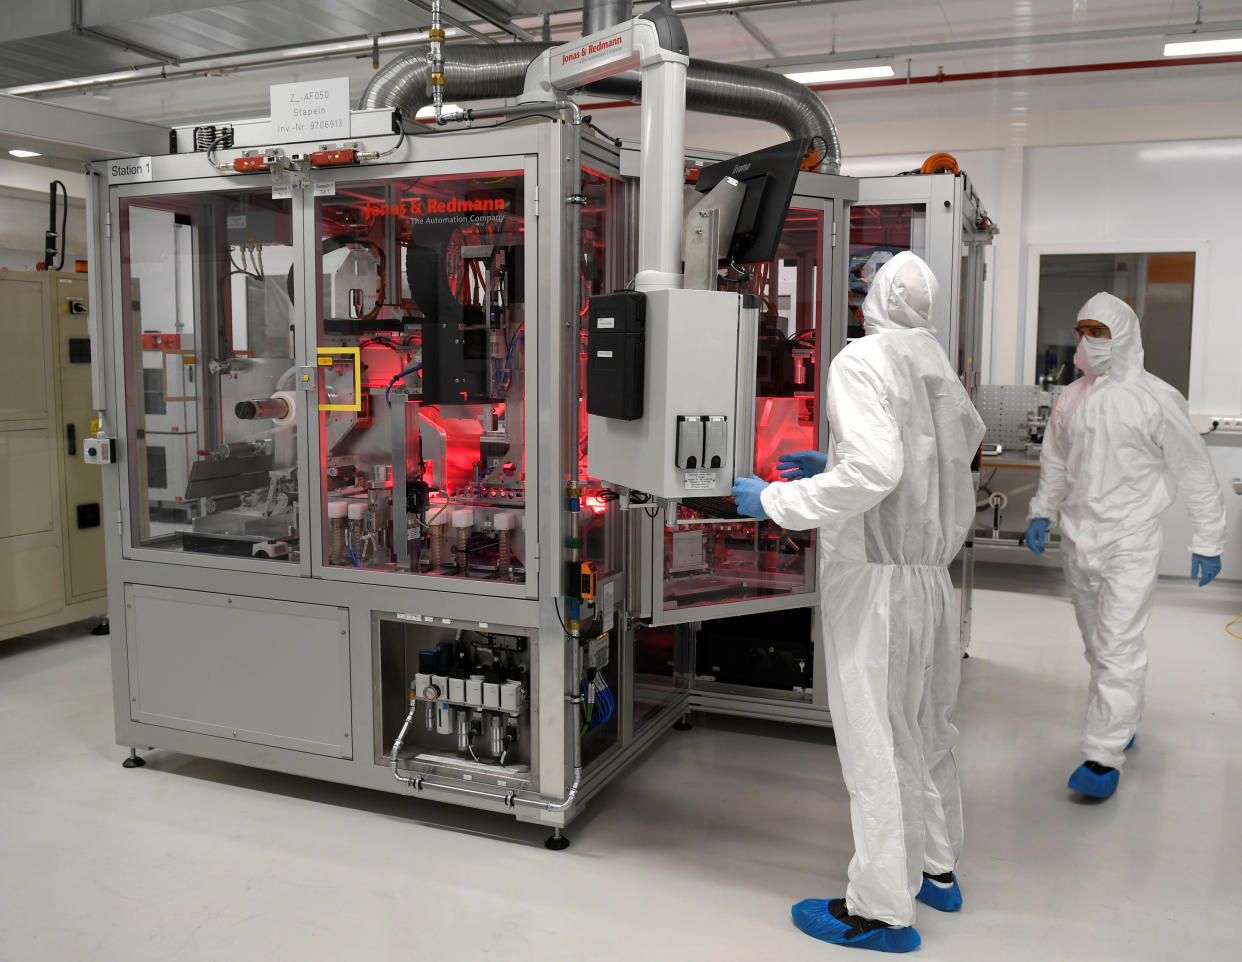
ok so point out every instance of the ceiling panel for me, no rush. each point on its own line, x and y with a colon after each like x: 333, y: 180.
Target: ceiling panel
x: 189, y: 29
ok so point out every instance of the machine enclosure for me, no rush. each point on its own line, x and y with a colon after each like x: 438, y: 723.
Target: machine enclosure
x: 696, y: 431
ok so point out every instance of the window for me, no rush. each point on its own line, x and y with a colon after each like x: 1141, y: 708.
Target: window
x: 1160, y: 288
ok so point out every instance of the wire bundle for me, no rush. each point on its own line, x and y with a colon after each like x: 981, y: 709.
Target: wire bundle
x: 596, y: 693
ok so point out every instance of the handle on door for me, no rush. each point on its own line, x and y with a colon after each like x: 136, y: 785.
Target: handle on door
x: 71, y: 432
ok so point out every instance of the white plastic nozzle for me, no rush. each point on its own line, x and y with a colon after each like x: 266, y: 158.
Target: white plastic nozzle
x: 503, y: 521
x: 357, y: 510
x: 337, y: 509
x: 463, y: 519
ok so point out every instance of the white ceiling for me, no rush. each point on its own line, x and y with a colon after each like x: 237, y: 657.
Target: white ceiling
x: 960, y: 36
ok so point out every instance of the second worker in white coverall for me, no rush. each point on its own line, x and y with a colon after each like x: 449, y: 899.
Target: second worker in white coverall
x: 1118, y: 447
x: 893, y: 500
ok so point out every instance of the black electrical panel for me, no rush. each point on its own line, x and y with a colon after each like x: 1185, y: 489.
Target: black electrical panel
x: 616, y: 343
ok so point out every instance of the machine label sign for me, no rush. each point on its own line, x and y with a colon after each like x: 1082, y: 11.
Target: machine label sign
x: 421, y: 206
x: 310, y: 109
x: 700, y: 481
x: 133, y: 170
x: 575, y: 56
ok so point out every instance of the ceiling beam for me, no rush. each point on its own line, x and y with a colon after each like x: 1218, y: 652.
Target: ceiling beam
x: 69, y: 132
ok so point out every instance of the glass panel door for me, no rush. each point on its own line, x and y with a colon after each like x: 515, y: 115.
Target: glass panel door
x: 209, y: 348
x: 708, y: 555
x: 421, y: 355
x: 877, y: 232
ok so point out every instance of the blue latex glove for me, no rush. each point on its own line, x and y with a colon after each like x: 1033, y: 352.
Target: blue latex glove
x: 802, y: 464
x: 1204, y: 568
x: 746, y: 493
x: 1036, y: 532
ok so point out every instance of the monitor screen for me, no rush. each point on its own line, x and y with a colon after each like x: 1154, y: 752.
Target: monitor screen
x: 769, y: 176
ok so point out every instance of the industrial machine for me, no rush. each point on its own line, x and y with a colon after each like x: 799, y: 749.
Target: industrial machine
x: 466, y: 406
x: 51, y: 532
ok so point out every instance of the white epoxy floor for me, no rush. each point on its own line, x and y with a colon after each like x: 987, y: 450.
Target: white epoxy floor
x: 696, y: 854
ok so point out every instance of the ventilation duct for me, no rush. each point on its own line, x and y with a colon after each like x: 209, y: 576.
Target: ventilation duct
x: 601, y: 14
x: 496, y: 71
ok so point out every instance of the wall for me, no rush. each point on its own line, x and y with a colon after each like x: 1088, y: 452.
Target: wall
x: 1163, y: 195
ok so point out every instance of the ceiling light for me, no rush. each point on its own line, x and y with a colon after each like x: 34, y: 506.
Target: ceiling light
x: 18, y: 152
x: 870, y: 71
x: 1199, y: 44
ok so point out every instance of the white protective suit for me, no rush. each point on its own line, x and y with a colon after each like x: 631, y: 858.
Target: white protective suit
x: 894, y: 506
x: 1115, y: 443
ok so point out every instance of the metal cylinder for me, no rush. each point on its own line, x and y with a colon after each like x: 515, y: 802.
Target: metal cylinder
x: 336, y: 553
x: 495, y: 735
x: 463, y: 731
x: 502, y: 559
x: 601, y: 14
x: 463, y: 524
x: 439, y: 533
x: 261, y: 407
x: 444, y: 719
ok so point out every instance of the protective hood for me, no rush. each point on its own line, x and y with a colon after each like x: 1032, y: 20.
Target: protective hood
x: 901, y: 296
x: 1127, y: 343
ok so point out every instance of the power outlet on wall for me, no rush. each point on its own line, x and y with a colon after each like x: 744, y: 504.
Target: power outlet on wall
x: 1218, y: 423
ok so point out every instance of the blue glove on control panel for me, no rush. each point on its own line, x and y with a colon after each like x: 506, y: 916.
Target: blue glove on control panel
x: 1204, y: 568
x: 746, y: 493
x: 1036, y: 532
x: 802, y: 464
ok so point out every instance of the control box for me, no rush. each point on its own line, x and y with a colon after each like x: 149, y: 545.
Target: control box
x: 615, y: 347
x: 98, y: 451
x: 694, y: 429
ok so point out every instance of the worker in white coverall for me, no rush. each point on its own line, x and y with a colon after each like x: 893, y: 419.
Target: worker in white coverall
x: 893, y: 499
x: 1118, y: 447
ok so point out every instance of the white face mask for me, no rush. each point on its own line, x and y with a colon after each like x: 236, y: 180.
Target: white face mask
x: 1094, y: 355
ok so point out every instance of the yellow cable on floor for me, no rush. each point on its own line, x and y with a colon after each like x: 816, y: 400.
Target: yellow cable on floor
x: 1231, y: 624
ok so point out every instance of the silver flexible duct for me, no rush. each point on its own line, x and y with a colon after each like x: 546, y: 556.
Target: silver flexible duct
x: 471, y: 72
x: 601, y: 14
x: 485, y: 71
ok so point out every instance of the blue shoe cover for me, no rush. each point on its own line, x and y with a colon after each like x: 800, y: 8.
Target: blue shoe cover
x: 1087, y: 782
x: 1130, y: 743
x: 814, y: 918
x: 946, y: 898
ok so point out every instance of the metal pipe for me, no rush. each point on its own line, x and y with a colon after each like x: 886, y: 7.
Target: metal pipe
x: 435, y: 57
x: 396, y: 746
x: 601, y: 14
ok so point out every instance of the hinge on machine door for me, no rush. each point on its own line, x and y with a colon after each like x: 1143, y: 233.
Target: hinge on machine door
x: 108, y: 224
x: 834, y: 233
x: 536, y: 200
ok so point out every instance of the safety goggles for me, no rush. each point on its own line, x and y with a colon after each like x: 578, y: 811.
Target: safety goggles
x: 1091, y: 329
